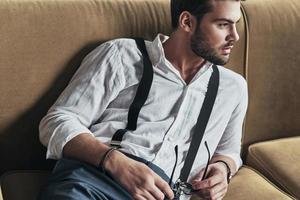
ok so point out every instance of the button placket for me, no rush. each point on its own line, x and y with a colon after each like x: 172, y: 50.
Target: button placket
x: 170, y: 141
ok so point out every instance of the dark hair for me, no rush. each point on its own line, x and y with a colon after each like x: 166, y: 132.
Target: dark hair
x: 198, y: 8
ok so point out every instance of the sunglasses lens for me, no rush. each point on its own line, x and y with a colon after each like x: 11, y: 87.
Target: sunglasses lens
x: 187, y: 188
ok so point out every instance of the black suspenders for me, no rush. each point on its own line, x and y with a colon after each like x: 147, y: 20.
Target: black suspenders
x: 202, y: 121
x: 141, y: 96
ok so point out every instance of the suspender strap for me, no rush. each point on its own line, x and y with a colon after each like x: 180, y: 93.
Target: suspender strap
x: 202, y: 121
x: 140, y: 97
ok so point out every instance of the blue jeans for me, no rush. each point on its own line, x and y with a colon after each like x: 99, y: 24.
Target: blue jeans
x: 75, y: 180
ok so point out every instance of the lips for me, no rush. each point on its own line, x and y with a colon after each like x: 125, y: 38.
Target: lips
x: 226, y: 50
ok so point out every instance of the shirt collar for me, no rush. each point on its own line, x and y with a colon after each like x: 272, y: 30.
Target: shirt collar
x: 156, y: 50
x: 157, y: 56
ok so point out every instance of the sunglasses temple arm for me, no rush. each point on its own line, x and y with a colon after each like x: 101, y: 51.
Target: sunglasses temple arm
x: 206, y: 167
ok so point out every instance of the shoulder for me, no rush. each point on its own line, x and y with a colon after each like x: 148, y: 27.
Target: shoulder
x: 115, y: 52
x: 122, y: 45
x: 115, y: 46
x: 231, y: 78
x: 124, y: 49
x: 125, y: 56
x: 233, y: 85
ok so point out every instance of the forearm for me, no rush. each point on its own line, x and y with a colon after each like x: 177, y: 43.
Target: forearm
x: 85, y: 147
x: 135, y: 177
x: 215, y: 184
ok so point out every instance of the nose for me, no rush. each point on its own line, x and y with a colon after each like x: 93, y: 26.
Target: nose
x: 233, y: 34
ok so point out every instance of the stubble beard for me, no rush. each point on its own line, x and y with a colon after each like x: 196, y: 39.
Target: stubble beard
x: 200, y: 47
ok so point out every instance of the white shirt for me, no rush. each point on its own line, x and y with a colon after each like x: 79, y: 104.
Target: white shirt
x: 97, y: 99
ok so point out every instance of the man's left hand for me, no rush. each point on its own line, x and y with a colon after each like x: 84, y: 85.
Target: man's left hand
x: 214, y: 186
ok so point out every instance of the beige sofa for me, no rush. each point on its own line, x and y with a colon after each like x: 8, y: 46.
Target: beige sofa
x: 42, y: 42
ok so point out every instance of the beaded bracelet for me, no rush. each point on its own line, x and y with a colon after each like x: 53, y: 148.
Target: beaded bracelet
x: 104, y: 158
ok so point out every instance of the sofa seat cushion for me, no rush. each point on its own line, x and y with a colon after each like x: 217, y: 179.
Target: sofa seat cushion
x: 279, y: 161
x: 248, y: 184
x: 23, y: 185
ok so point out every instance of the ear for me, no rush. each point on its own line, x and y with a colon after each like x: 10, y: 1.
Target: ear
x: 187, y: 22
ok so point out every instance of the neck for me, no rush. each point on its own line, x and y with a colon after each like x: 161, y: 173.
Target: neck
x: 178, y: 52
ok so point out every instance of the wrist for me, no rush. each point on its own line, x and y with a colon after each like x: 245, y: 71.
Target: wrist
x: 105, y: 160
x: 228, y: 170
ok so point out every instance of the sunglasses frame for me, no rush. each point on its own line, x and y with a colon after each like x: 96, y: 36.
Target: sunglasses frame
x: 186, y: 188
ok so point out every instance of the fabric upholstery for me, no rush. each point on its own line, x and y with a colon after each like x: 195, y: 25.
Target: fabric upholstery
x: 42, y: 44
x: 248, y: 181
x: 249, y: 184
x: 22, y: 185
x: 1, y: 197
x: 278, y: 160
x: 273, y: 72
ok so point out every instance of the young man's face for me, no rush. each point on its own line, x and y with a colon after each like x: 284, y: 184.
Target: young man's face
x: 216, y: 33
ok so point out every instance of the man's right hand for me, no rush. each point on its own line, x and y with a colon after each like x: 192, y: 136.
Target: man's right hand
x: 137, y: 178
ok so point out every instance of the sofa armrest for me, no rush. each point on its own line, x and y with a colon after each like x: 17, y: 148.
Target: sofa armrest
x: 249, y: 184
x: 279, y: 161
x: 22, y: 185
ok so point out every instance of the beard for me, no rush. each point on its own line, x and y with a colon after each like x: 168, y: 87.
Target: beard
x: 200, y: 47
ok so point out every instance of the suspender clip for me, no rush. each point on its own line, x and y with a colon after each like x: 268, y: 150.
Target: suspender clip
x: 115, y: 143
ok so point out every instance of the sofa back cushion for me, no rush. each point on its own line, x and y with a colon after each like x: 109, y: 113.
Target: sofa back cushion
x: 274, y: 70
x: 42, y: 44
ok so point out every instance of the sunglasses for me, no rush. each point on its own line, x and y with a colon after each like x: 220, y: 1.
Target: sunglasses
x: 181, y: 187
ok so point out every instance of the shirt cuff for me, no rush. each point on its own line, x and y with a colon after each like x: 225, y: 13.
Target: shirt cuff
x: 59, y: 139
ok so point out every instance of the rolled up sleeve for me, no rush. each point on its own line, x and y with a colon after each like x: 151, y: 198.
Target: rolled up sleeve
x: 95, y: 84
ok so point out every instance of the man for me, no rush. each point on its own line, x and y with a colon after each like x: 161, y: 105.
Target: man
x: 79, y: 127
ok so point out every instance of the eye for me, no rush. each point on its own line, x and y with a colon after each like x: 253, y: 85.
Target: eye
x: 223, y: 25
